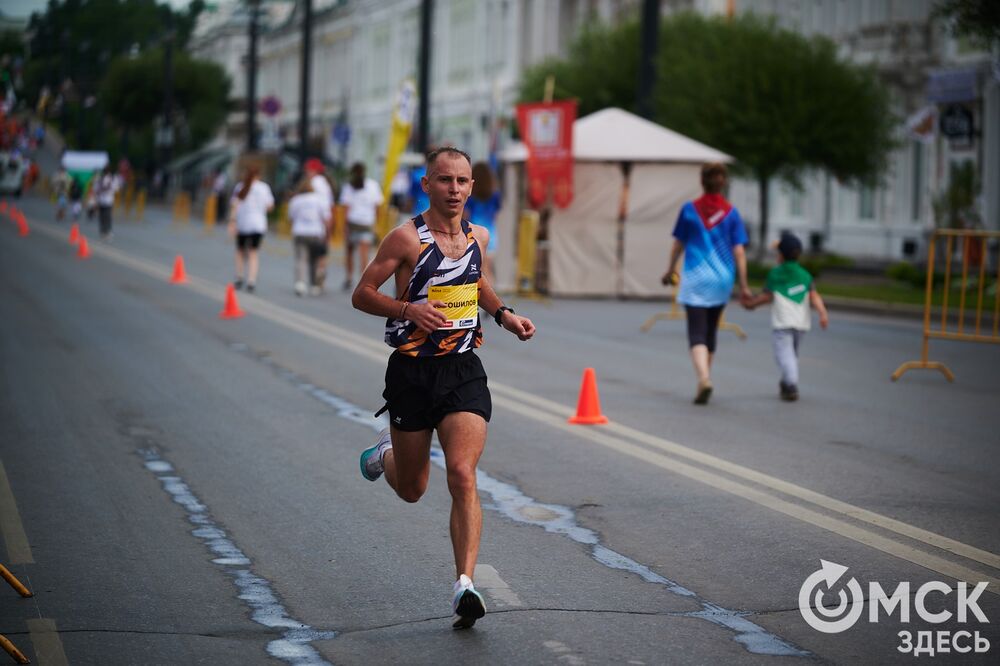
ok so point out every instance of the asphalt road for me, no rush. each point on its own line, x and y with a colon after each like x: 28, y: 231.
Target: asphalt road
x: 180, y: 489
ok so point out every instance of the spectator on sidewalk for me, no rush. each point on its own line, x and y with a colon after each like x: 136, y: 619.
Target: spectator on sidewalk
x: 310, y: 213
x: 790, y: 290
x: 252, y: 201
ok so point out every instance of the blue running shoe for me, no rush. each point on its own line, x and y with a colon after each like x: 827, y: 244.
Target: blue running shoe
x: 466, y: 603
x: 371, y: 458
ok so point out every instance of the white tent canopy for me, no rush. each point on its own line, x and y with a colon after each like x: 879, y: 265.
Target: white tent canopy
x: 614, y: 135
x: 84, y: 160
x: 585, y: 255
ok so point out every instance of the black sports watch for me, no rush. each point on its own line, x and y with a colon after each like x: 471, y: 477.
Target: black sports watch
x: 499, y: 314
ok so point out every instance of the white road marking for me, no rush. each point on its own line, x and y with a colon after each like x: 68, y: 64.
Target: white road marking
x: 488, y: 581
x: 45, y: 639
x: 18, y: 549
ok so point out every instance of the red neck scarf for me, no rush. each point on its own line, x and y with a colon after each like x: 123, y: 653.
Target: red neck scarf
x: 712, y: 209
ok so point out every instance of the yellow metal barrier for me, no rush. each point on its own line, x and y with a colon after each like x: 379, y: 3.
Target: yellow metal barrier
x: 284, y: 224
x: 339, y: 232
x: 9, y: 647
x: 210, y: 212
x: 385, y: 221
x: 973, y: 248
x: 140, y: 205
x: 527, y: 252
x: 182, y: 208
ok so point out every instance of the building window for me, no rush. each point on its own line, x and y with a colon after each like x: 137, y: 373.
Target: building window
x: 379, y: 83
x: 496, y: 36
x: 866, y: 202
x: 795, y: 201
x: 917, y: 192
x: 461, y: 36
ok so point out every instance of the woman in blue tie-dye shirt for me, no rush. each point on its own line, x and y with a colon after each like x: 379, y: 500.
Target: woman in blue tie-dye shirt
x: 710, y: 234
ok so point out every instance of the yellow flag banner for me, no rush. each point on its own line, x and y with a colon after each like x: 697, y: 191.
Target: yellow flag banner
x: 399, y: 133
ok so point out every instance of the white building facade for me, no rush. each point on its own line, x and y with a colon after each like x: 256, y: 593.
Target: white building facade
x: 363, y: 50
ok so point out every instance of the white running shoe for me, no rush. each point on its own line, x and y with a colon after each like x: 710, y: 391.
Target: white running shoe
x: 300, y: 288
x: 466, y: 603
x: 371, y: 458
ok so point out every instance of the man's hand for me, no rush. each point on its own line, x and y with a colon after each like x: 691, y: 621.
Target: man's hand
x: 426, y: 316
x: 746, y: 296
x: 518, y: 325
x: 824, y: 321
x: 670, y: 278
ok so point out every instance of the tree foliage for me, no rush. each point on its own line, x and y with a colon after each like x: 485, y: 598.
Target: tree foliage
x: 975, y: 18
x: 776, y: 101
x: 132, y: 93
x: 78, y: 39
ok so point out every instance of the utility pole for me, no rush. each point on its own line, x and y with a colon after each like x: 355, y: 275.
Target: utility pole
x: 168, y: 92
x: 304, y: 87
x: 647, y: 57
x: 423, y: 127
x: 252, y: 79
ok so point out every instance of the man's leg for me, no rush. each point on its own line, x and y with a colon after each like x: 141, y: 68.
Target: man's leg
x: 463, y: 436
x: 407, y: 465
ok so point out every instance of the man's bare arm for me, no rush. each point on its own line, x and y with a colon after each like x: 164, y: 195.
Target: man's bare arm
x: 398, y: 246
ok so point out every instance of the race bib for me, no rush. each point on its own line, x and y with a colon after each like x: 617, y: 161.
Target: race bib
x: 461, y: 304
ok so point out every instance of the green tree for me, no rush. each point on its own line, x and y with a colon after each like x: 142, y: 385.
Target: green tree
x: 776, y: 101
x: 975, y: 18
x: 132, y: 92
x: 78, y: 39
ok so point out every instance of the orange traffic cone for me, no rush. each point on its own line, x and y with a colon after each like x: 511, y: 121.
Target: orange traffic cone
x: 179, y: 276
x: 74, y: 234
x: 83, y: 251
x: 588, y: 408
x: 231, y: 310
x: 22, y: 226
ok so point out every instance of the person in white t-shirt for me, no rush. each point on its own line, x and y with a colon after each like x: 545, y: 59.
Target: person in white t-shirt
x: 322, y: 185
x: 252, y: 201
x: 310, y: 214
x: 104, y: 191
x: 362, y: 196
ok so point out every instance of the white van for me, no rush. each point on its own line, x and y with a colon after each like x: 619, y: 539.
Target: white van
x: 12, y: 170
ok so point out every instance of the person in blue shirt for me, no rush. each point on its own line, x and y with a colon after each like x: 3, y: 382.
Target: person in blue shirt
x: 482, y: 207
x: 710, y: 233
x: 419, y: 199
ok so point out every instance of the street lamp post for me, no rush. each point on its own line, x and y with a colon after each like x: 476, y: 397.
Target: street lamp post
x: 304, y: 88
x: 423, y: 127
x: 252, y: 79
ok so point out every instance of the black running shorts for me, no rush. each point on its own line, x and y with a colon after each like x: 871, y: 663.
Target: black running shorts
x: 703, y: 325
x: 248, y: 241
x: 420, y: 391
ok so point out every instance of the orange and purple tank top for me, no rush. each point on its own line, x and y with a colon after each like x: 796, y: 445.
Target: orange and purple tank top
x: 452, y: 281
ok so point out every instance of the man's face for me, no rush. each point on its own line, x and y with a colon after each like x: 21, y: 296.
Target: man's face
x: 448, y: 184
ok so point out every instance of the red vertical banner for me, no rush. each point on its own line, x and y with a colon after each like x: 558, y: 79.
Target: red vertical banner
x: 547, y: 131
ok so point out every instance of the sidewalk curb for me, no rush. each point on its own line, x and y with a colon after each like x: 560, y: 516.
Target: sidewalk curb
x: 881, y: 308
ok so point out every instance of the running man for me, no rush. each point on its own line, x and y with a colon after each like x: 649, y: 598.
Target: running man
x: 434, y: 381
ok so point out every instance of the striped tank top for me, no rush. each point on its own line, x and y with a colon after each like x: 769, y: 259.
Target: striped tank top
x: 453, y: 281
